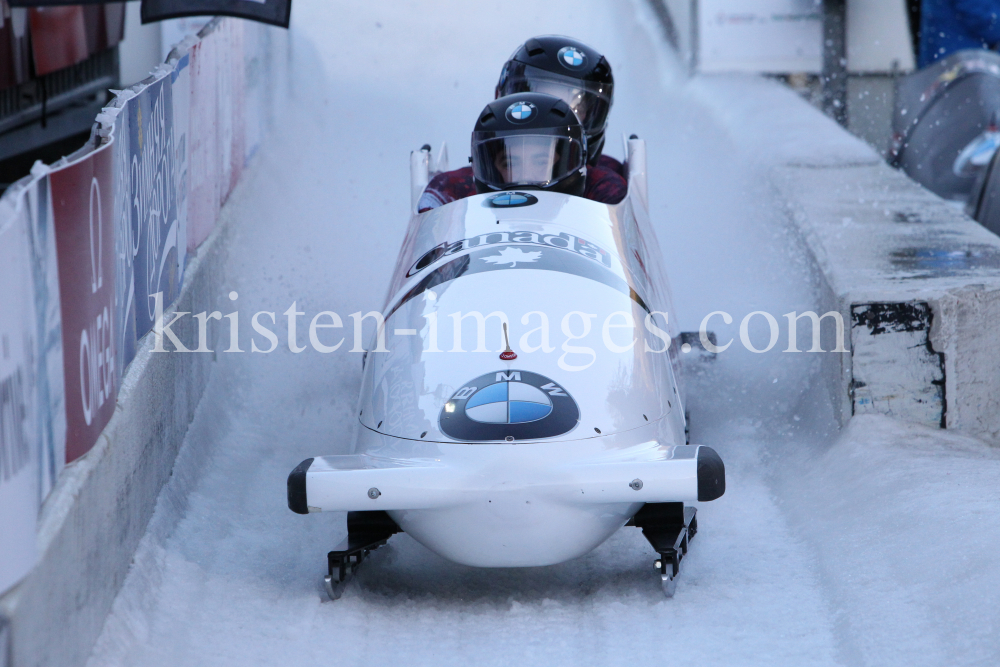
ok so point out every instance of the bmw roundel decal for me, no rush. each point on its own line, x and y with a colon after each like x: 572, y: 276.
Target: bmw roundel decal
x: 509, y: 405
x: 572, y: 57
x: 512, y: 200
x: 520, y: 112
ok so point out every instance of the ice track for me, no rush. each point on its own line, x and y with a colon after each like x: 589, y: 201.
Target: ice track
x: 809, y: 558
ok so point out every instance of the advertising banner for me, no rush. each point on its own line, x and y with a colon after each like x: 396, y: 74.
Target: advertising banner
x: 54, y: 3
x: 255, y: 104
x: 275, y: 12
x: 105, y: 25
x: 180, y: 86
x: 174, y: 31
x: 82, y: 206
x: 50, y: 406
x: 19, y: 474
x: 153, y: 199
x: 126, y: 239
x: 220, y: 40
x: 234, y: 72
x: 760, y: 36
x: 203, y: 207
x: 58, y: 37
x: 99, y: 236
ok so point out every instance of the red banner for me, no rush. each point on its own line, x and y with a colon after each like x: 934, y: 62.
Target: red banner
x: 82, y: 210
x: 64, y: 36
x: 105, y: 25
x: 58, y: 37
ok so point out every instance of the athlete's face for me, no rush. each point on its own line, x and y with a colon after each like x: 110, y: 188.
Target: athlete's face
x: 527, y: 160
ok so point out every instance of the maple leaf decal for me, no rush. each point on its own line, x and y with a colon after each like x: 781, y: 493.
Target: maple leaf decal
x: 512, y: 256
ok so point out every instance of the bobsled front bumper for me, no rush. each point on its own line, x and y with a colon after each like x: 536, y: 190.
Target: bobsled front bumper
x: 507, y: 505
x: 362, y: 482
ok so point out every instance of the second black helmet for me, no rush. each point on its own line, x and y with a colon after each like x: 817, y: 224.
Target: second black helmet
x: 570, y: 70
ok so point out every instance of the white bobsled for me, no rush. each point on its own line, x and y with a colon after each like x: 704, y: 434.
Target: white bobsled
x: 495, y: 461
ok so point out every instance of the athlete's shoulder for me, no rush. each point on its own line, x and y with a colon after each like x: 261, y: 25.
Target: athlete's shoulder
x: 605, y: 186
x: 608, y: 162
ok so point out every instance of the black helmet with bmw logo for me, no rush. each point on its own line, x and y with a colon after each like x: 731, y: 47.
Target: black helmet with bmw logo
x: 529, y: 141
x: 570, y: 70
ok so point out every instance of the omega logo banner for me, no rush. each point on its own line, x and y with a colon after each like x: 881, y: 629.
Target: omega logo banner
x: 19, y: 473
x: 82, y: 211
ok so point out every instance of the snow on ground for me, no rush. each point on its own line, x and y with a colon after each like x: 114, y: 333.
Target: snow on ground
x: 871, y: 548
x: 903, y: 518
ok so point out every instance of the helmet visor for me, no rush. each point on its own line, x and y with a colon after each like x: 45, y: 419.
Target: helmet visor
x: 526, y: 159
x: 590, y: 101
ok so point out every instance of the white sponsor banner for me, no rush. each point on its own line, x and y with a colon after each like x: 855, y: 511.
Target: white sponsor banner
x: 785, y: 36
x: 878, y: 36
x: 225, y: 89
x: 19, y: 474
x: 50, y: 412
x: 255, y: 100
x: 760, y: 36
x: 174, y: 31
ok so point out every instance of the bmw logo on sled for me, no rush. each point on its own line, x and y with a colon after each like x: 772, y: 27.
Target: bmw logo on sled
x: 538, y: 454
x: 509, y: 405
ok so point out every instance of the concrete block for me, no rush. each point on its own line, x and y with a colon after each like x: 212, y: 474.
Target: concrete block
x: 891, y: 253
x: 896, y: 370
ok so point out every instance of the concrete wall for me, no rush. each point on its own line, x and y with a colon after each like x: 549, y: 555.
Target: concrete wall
x: 916, y: 280
x: 94, y: 517
x: 920, y: 283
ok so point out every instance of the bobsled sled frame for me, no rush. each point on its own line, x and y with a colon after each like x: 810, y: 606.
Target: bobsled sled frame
x: 669, y: 528
x: 366, y: 531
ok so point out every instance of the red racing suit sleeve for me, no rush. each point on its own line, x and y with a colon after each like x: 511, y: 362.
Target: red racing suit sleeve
x: 605, y: 186
x: 446, y: 187
x: 609, y: 162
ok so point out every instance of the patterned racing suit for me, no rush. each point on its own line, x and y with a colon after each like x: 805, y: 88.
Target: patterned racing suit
x: 604, y: 184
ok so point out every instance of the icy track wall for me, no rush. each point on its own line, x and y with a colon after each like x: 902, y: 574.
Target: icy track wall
x: 90, y: 418
x: 916, y: 281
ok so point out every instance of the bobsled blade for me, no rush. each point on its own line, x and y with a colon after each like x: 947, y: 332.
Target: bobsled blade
x: 366, y: 531
x: 669, y: 528
x: 334, y: 589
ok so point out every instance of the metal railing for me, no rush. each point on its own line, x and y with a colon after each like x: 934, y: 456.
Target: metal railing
x: 40, y: 97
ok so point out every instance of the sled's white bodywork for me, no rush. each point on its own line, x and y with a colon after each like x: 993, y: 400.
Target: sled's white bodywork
x: 538, y: 496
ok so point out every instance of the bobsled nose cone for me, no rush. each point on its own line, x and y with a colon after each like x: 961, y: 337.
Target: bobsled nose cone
x: 711, y: 474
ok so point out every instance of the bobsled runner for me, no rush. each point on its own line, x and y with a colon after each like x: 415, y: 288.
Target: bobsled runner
x: 522, y: 400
